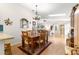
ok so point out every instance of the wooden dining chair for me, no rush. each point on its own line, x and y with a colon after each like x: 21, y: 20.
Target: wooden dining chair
x: 46, y: 36
x: 41, y: 40
x: 25, y: 40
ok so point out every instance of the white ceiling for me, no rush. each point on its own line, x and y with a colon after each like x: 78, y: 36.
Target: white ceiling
x: 45, y: 9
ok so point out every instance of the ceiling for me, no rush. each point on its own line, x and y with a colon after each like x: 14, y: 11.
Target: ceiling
x: 45, y: 9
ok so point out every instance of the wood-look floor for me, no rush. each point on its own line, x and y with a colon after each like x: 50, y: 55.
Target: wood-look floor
x: 56, y: 48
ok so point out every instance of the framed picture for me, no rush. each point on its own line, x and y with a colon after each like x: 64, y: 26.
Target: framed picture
x: 1, y: 28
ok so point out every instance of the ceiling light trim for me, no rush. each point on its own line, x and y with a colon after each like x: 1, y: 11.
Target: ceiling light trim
x: 54, y: 15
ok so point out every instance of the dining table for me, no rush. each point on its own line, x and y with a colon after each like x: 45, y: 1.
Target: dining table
x: 34, y: 43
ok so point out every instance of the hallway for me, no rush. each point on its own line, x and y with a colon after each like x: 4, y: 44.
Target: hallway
x: 56, y: 48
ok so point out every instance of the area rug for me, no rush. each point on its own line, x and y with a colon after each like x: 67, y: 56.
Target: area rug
x: 37, y: 52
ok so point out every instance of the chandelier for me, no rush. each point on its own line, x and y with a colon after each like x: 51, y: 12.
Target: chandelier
x: 37, y: 17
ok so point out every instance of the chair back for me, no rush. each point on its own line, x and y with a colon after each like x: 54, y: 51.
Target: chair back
x: 24, y: 33
x: 25, y: 37
x: 42, y: 35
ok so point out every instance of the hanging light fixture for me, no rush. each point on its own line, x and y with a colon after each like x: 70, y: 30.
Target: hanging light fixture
x: 37, y: 17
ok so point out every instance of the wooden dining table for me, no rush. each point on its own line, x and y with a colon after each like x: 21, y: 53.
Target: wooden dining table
x: 34, y: 38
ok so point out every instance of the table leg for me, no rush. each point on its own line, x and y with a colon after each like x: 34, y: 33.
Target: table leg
x: 32, y: 46
x: 23, y: 43
x: 47, y: 37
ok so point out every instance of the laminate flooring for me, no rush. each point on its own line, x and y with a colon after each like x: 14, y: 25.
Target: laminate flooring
x: 56, y: 48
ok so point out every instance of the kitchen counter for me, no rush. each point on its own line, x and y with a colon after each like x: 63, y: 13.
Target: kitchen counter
x: 4, y: 39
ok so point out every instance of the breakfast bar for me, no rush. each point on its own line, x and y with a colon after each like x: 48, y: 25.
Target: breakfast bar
x: 5, y: 44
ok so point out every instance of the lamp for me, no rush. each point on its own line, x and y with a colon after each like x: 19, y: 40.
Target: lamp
x: 37, y: 17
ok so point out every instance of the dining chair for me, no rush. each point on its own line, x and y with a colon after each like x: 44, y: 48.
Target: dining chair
x: 25, y: 41
x: 41, y: 40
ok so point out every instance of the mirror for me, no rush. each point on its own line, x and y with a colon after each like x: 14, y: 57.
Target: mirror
x: 24, y: 23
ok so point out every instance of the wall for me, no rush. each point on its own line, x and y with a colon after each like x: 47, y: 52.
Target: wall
x: 67, y: 30
x: 15, y: 12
